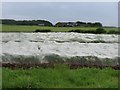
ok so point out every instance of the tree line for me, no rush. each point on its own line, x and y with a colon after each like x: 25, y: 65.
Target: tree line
x: 48, y: 23
x: 78, y: 23
x: 26, y: 22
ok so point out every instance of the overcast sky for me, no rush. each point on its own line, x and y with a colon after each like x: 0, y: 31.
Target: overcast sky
x: 104, y: 12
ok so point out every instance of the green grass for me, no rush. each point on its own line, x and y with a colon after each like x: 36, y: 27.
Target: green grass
x: 22, y: 28
x: 0, y: 77
x: 60, y: 77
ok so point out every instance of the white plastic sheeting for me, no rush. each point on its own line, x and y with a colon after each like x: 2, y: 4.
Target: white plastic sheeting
x: 60, y: 37
x: 38, y: 45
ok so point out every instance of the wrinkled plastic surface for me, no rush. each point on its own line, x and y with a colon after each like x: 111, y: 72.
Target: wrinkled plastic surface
x: 35, y: 47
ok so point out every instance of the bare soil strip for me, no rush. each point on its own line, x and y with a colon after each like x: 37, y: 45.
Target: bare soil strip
x: 52, y: 65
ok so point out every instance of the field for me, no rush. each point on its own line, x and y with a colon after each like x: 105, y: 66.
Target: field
x: 60, y: 77
x: 21, y: 28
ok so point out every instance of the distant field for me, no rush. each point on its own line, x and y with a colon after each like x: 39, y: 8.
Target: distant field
x: 60, y: 77
x: 22, y: 28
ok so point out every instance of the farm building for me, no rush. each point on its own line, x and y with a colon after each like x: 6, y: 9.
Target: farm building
x: 41, y: 24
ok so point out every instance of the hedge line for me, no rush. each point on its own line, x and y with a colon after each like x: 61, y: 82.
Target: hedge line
x: 97, y: 31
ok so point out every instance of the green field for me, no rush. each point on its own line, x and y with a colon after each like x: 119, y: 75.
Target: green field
x: 23, y: 28
x: 60, y: 77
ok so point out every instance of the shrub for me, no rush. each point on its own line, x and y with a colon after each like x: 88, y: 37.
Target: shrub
x: 97, y: 31
x: 42, y: 30
x: 114, y: 32
x: 90, y: 31
x: 82, y: 31
x: 118, y: 32
x: 100, y: 31
x: 77, y: 30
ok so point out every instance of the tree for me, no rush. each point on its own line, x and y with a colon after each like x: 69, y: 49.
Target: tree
x: 8, y: 21
x: 26, y: 22
x: 80, y: 23
x: 89, y: 24
x: 61, y: 24
x: 97, y: 24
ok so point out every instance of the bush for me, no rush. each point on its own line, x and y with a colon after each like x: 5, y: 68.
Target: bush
x: 100, y: 31
x: 90, y: 31
x: 42, y: 30
x: 114, y: 32
x: 77, y: 30
x: 82, y: 31
x: 118, y: 32
x: 97, y: 31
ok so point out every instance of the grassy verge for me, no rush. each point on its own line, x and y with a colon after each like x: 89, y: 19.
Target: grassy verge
x: 23, y: 28
x: 60, y: 77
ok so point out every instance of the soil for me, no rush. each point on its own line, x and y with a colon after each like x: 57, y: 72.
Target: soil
x: 52, y: 65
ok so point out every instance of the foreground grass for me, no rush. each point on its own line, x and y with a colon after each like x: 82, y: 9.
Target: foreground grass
x: 23, y: 28
x: 60, y: 77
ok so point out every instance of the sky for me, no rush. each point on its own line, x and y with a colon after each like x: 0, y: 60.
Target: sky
x: 60, y: 0
x: 104, y: 12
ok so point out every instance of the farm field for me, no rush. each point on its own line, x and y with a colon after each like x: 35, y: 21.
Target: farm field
x: 27, y: 48
x: 59, y: 45
x: 54, y: 47
x: 23, y: 28
x: 60, y: 77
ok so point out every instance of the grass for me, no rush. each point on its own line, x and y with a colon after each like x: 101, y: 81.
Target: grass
x: 0, y: 78
x: 22, y: 28
x: 60, y: 77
